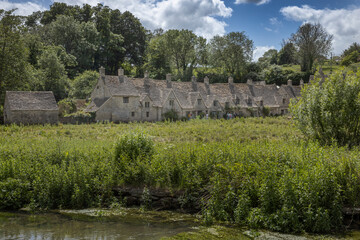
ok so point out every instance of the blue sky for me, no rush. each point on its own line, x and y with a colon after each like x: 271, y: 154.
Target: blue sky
x: 266, y: 22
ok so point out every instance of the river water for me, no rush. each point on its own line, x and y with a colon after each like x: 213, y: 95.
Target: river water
x: 56, y: 226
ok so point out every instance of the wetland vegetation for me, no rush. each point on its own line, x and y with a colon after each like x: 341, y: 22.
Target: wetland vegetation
x: 256, y: 172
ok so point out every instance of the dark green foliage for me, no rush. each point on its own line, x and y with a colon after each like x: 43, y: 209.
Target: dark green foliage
x: 329, y: 109
x: 287, y: 54
x: 83, y: 85
x: 171, y: 115
x: 14, y: 193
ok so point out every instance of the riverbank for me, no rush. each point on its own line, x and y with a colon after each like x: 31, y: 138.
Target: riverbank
x: 251, y: 172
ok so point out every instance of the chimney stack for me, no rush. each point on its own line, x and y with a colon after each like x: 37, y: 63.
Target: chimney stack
x: 146, y: 74
x: 121, y: 72
x: 168, y: 80
x: 230, y: 80
x: 194, y: 83
x: 301, y: 82
x: 206, y: 80
x: 289, y: 82
x: 121, y: 75
x: 102, y: 71
x: 249, y: 82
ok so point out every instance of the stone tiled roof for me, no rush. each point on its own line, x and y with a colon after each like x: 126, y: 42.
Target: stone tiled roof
x: 118, y: 88
x: 20, y: 100
x: 187, y: 93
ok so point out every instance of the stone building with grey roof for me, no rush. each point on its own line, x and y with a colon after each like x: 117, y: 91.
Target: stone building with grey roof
x: 121, y: 98
x: 30, y: 107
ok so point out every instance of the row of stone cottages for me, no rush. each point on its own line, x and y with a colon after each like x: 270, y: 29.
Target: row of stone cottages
x: 120, y: 98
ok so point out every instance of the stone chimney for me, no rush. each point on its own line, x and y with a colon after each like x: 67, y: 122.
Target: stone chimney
x: 230, y: 80
x: 249, y: 82
x: 168, y: 80
x: 120, y: 72
x: 302, y: 83
x: 102, y: 71
x: 121, y: 75
x: 206, y: 80
x: 289, y: 82
x: 146, y: 75
x: 311, y: 78
x: 207, y: 85
x: 194, y: 84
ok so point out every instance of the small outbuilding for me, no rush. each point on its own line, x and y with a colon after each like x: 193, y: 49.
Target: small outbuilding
x: 30, y: 107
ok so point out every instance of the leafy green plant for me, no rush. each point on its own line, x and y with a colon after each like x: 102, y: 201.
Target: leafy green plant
x: 329, y: 109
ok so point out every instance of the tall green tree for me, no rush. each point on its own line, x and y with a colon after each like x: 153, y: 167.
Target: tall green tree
x: 312, y: 42
x: 232, y: 52
x: 111, y: 51
x: 13, y: 54
x: 287, y: 54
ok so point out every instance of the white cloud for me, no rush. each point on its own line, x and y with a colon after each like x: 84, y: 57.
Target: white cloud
x: 257, y: 2
x: 23, y: 9
x: 201, y: 16
x: 342, y: 23
x: 260, y: 50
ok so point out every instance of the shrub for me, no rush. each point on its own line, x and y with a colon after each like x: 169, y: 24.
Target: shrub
x: 171, y: 115
x: 134, y: 146
x: 329, y: 110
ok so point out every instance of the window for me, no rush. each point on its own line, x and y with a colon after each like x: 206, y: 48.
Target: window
x: 227, y: 105
x: 261, y: 103
x: 133, y: 114
x: 147, y: 114
x: 237, y: 101
x: 215, y: 103
x: 126, y: 100
x: 147, y: 104
x: 97, y: 87
x: 171, y: 103
x: 199, y: 101
x: 284, y: 100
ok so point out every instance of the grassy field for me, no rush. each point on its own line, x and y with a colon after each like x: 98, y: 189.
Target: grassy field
x: 258, y: 172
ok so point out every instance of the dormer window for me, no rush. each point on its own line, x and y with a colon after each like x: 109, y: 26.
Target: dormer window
x: 171, y: 103
x: 284, y: 100
x: 237, y: 101
x: 199, y: 101
x: 147, y: 104
x: 227, y: 105
x: 215, y: 103
x: 249, y: 101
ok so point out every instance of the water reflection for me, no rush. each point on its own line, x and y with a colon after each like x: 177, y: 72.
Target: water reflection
x: 55, y: 226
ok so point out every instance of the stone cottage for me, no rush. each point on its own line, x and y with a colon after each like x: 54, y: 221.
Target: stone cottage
x: 120, y: 98
x: 30, y: 108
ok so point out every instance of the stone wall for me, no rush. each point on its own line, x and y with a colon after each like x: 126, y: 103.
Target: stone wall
x: 33, y: 117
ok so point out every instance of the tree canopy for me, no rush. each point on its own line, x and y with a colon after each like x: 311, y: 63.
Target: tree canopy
x: 312, y: 42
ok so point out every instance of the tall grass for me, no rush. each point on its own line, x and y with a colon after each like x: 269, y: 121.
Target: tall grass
x: 257, y: 172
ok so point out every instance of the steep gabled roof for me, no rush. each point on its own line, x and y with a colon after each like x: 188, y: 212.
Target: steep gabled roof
x: 23, y: 101
x: 117, y: 88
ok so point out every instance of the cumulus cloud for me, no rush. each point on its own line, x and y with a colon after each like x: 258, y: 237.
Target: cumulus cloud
x: 260, y: 50
x: 342, y: 23
x: 23, y: 9
x: 257, y: 2
x: 201, y: 16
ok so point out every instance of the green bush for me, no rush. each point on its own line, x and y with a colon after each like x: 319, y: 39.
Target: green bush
x: 134, y: 146
x: 14, y: 193
x: 329, y: 110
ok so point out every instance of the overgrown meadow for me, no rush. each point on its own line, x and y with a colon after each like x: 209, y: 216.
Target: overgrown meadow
x: 258, y: 172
